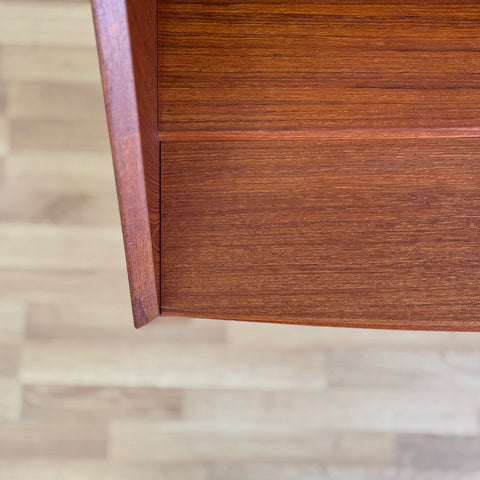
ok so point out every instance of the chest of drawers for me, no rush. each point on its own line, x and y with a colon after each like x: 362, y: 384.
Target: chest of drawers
x: 297, y: 162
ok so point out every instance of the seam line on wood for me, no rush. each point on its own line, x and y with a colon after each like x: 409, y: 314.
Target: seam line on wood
x: 320, y: 134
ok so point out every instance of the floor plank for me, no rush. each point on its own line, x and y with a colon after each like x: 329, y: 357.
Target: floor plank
x: 59, y: 439
x: 100, y: 403
x: 248, y: 441
x: 342, y: 409
x: 418, y: 369
x: 200, y: 365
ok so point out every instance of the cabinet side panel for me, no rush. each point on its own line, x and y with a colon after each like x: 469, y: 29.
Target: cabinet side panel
x: 130, y: 136
x: 142, y: 22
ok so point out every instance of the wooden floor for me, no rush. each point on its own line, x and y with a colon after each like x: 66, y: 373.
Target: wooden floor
x: 84, y: 396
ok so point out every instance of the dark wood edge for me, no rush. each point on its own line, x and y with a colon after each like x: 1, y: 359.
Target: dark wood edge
x: 118, y: 29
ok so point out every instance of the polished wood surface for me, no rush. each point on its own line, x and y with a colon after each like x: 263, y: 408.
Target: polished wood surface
x: 126, y: 37
x: 379, y: 233
x: 264, y: 65
x: 142, y: 19
x: 319, y: 162
x: 317, y: 159
x: 323, y: 134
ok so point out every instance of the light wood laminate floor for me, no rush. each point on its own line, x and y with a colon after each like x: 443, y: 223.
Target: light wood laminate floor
x: 84, y: 396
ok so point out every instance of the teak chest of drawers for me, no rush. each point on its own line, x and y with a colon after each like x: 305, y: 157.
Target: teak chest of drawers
x: 311, y: 162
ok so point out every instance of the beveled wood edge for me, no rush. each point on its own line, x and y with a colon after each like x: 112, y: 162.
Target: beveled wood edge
x: 318, y: 134
x: 116, y: 65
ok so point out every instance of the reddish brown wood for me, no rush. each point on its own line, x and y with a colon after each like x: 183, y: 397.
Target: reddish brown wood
x: 126, y: 38
x: 326, y: 133
x: 366, y: 233
x: 319, y: 159
x: 310, y: 65
x: 368, y: 215
x: 142, y: 21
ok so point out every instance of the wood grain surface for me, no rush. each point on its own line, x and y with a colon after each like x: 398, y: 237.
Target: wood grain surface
x: 85, y: 397
x: 264, y: 65
x: 142, y: 22
x: 377, y: 233
x: 126, y: 37
x: 320, y: 162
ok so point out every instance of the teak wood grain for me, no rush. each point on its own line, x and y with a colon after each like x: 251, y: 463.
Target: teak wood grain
x: 379, y: 233
x: 319, y: 160
x: 126, y: 39
x: 288, y: 65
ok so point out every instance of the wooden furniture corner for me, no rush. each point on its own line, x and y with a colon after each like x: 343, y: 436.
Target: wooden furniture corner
x: 127, y: 47
x: 319, y: 161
